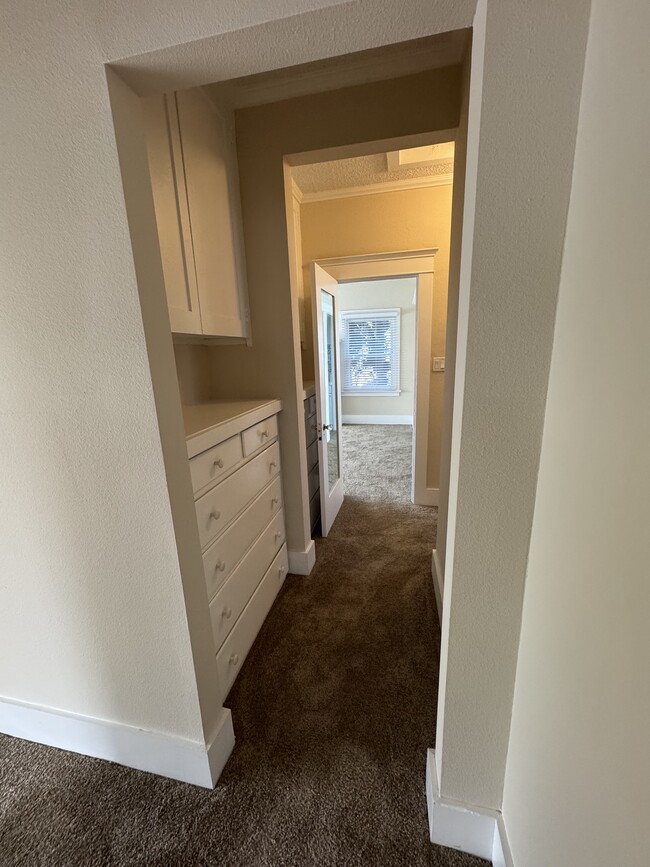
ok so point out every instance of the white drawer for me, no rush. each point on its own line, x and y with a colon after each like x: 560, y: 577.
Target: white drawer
x: 313, y: 481
x: 253, y: 438
x: 227, y: 550
x: 314, y: 508
x: 235, y: 648
x: 312, y: 455
x: 208, y: 467
x: 310, y: 429
x: 233, y: 597
x: 312, y: 404
x: 216, y: 509
x: 306, y: 406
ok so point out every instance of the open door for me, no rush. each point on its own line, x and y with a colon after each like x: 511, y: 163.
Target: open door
x: 328, y: 394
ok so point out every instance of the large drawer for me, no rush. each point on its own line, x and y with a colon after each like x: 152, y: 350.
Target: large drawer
x: 233, y: 597
x: 216, y: 509
x: 208, y: 467
x: 235, y: 648
x: 313, y: 481
x: 312, y: 455
x: 310, y: 429
x: 253, y: 438
x: 227, y: 550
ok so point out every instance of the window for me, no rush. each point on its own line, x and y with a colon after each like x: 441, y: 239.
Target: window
x: 370, y: 352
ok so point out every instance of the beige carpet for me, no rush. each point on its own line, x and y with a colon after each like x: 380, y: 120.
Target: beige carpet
x: 333, y: 710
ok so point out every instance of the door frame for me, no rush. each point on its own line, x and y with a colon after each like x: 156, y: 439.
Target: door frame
x: 404, y: 263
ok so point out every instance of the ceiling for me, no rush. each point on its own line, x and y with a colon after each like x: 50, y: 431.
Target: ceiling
x: 372, y: 170
x: 377, y: 64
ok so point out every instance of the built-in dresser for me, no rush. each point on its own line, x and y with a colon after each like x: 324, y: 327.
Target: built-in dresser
x: 311, y: 438
x: 234, y: 457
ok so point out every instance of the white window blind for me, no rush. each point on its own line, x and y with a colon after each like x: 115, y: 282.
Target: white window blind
x: 370, y: 352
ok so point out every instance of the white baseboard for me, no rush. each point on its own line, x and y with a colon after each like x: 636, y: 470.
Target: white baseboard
x: 501, y: 854
x: 427, y: 497
x: 377, y: 419
x: 473, y: 830
x: 438, y: 581
x: 178, y: 758
x: 302, y: 562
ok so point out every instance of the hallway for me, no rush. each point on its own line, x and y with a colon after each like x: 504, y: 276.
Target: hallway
x: 333, y: 711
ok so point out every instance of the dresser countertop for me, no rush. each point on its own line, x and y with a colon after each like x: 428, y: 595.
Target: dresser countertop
x: 207, y: 424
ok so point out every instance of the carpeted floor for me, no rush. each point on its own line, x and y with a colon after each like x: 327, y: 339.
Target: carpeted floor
x: 333, y: 712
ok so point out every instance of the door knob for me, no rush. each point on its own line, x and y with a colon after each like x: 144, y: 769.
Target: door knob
x: 328, y: 427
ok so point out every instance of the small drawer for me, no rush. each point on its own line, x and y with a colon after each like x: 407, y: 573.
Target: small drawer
x: 313, y: 481
x: 208, y: 467
x: 311, y: 429
x: 306, y: 406
x: 226, y: 551
x: 216, y: 509
x: 312, y: 455
x: 314, y: 508
x: 235, y: 648
x: 233, y: 597
x: 253, y: 438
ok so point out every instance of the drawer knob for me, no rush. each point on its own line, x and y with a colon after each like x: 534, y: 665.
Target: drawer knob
x: 275, y: 501
x: 215, y: 515
x: 219, y: 463
x: 234, y: 658
x: 227, y: 612
x: 272, y: 465
x: 220, y: 566
x: 281, y: 571
x: 263, y: 433
x: 278, y: 535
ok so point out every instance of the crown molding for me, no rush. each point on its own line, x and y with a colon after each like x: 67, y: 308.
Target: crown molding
x: 385, y: 187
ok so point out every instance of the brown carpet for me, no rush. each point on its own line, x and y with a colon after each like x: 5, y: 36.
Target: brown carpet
x: 333, y: 711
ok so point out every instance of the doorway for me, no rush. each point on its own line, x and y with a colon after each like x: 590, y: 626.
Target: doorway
x: 377, y: 333
x: 381, y: 362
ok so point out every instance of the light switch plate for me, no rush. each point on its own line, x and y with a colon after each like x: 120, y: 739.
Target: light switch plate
x: 438, y: 365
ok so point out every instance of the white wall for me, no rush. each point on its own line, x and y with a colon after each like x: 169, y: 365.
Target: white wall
x: 378, y: 294
x: 576, y: 790
x: 94, y: 612
x: 93, y: 617
x: 525, y: 90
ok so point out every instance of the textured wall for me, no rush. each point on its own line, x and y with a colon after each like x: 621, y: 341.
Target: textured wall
x: 576, y: 789
x: 379, y: 223
x: 93, y: 618
x: 516, y: 202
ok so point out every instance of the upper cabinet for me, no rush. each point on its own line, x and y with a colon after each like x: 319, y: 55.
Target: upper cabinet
x: 193, y: 165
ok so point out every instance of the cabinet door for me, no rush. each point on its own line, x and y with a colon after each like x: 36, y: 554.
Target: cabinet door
x: 172, y: 215
x: 210, y: 163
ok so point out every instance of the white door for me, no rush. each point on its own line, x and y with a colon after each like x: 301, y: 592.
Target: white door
x: 328, y: 394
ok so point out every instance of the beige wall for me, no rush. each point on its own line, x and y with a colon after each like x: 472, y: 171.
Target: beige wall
x: 382, y: 294
x: 94, y: 619
x: 576, y: 790
x: 380, y: 223
x: 526, y: 77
